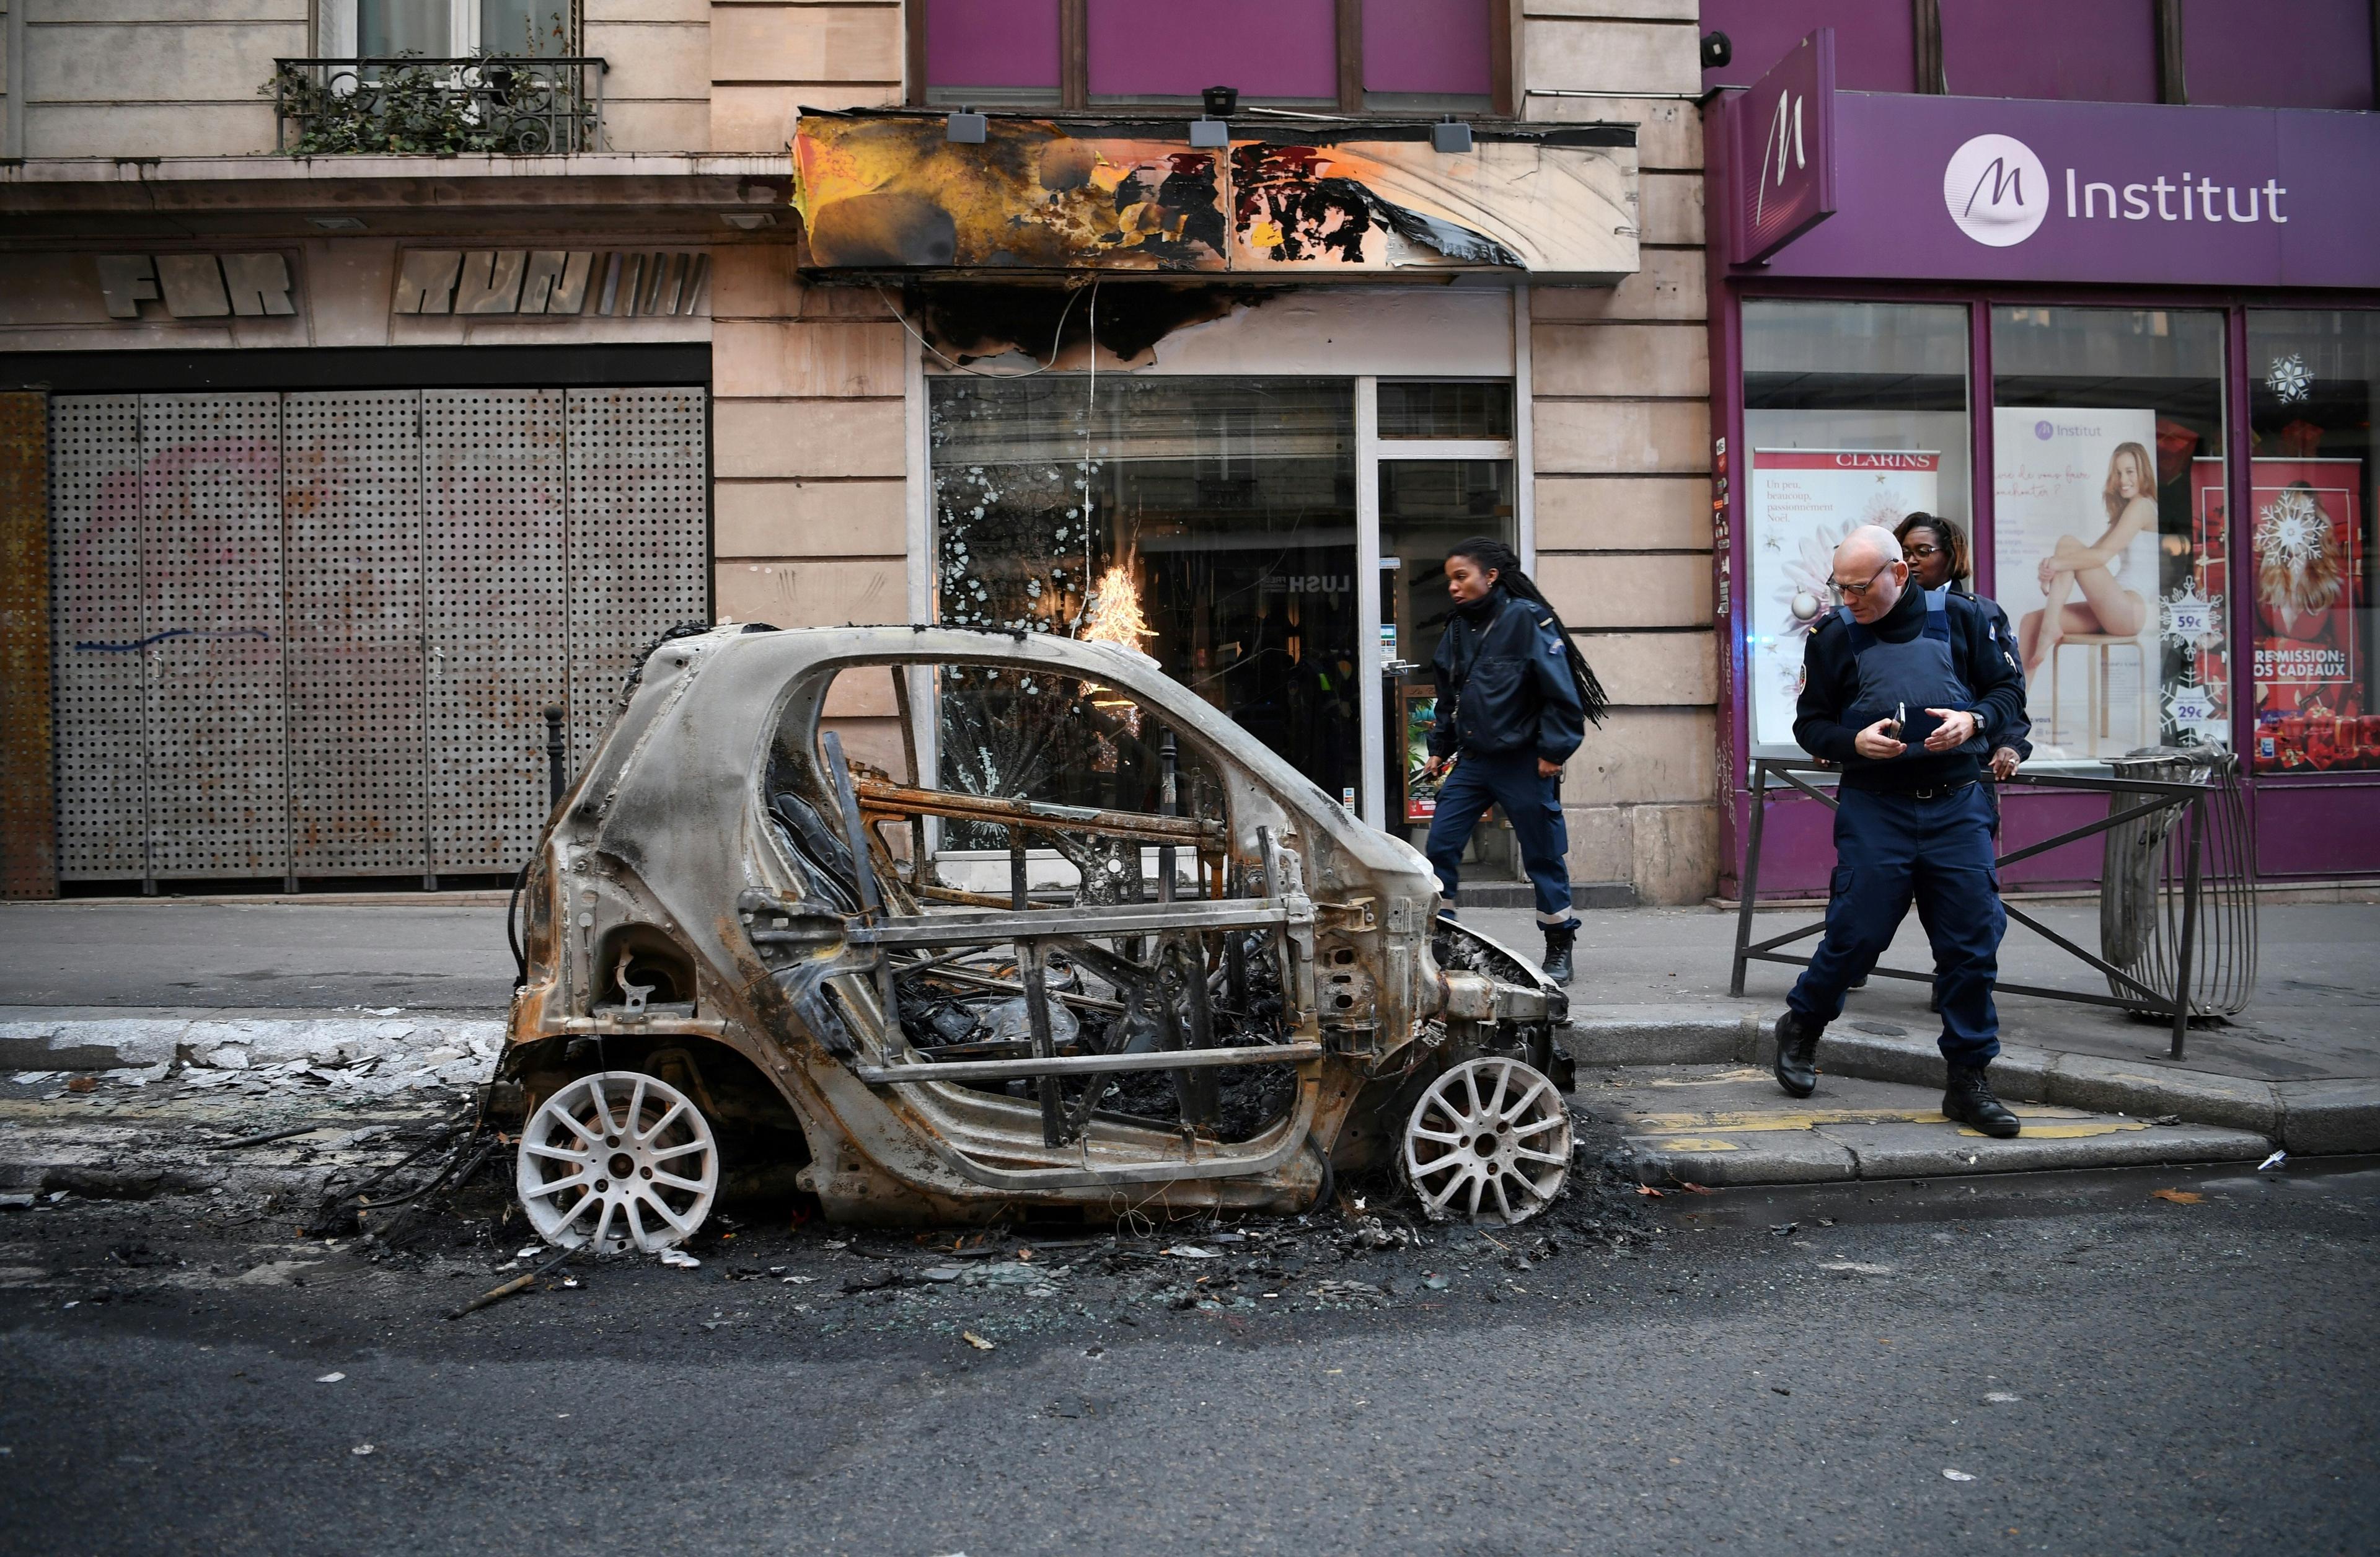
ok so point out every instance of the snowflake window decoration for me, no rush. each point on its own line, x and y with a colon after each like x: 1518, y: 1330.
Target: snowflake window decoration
x: 2289, y: 378
x: 2291, y: 528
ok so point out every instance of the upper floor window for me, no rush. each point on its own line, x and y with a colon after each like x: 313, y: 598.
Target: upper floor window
x: 2233, y: 54
x: 446, y: 28
x: 2299, y: 54
x: 1412, y: 56
x: 2106, y: 51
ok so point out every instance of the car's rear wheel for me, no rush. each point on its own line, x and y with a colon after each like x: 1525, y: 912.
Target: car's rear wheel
x: 615, y: 1160
x: 1489, y: 1141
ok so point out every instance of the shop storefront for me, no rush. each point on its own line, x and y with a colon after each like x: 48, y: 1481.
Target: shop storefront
x: 319, y: 530
x: 1241, y: 441
x: 2131, y: 351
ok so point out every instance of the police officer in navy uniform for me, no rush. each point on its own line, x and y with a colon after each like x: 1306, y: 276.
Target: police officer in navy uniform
x: 1908, y: 692
x: 1515, y: 697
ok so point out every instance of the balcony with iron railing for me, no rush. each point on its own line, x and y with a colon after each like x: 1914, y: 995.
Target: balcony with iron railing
x: 504, y: 105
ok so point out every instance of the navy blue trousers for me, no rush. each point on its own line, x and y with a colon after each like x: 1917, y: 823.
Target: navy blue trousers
x: 1891, y: 850
x: 1532, y: 804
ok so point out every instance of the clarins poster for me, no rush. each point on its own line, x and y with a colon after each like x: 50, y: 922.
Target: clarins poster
x: 1803, y: 503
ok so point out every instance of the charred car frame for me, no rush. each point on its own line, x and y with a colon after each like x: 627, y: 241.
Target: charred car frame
x: 748, y: 957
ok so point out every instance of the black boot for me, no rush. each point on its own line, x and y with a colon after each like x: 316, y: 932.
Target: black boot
x: 1968, y: 1101
x: 1797, y: 1053
x: 1558, y: 944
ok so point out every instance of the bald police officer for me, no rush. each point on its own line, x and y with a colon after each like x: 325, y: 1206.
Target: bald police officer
x: 1907, y: 692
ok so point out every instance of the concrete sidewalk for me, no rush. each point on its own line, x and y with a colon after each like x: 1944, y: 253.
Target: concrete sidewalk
x: 358, y: 1000
x: 2299, y: 1069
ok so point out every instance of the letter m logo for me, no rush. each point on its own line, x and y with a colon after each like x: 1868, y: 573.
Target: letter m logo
x: 2004, y: 183
x: 1783, y: 145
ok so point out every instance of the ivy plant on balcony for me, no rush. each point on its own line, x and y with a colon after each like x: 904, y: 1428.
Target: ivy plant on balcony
x: 437, y: 107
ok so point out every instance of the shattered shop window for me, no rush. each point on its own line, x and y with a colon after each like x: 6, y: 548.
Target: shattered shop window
x: 1206, y: 523
x: 1011, y: 732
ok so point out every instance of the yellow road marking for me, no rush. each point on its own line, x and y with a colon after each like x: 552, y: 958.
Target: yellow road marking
x: 1697, y: 1143
x: 1811, y: 1118
x: 2070, y: 1132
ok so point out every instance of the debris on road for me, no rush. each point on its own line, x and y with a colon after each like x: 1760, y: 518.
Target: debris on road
x: 978, y: 1342
x: 2274, y: 1161
x: 1948, y: 1475
x: 518, y: 1284
x: 2179, y: 1196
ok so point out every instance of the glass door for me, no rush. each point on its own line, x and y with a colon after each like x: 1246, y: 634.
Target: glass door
x: 1442, y: 471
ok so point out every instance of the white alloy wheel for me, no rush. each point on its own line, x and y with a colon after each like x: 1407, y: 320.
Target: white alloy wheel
x: 617, y: 1158
x: 1490, y: 1141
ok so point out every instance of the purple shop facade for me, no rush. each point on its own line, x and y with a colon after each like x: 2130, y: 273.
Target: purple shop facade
x: 1820, y: 194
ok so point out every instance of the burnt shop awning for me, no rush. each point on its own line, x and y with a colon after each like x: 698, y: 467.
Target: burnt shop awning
x: 888, y: 192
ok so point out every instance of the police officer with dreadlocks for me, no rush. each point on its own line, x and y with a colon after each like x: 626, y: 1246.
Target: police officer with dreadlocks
x: 1515, y: 697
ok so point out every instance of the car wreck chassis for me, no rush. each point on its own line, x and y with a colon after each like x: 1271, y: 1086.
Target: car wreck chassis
x: 751, y: 962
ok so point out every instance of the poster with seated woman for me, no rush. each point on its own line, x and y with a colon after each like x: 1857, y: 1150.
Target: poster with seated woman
x: 2075, y: 501
x: 2310, y: 692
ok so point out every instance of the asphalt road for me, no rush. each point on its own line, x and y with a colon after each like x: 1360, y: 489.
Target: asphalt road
x: 1789, y: 1371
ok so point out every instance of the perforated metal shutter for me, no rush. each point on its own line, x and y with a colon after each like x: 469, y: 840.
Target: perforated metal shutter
x: 211, y: 607
x: 638, y: 539
x: 99, y: 721
x: 357, y: 763
x: 314, y: 634
x: 493, y: 507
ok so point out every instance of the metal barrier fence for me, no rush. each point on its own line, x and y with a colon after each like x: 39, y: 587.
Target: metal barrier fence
x: 2154, y: 914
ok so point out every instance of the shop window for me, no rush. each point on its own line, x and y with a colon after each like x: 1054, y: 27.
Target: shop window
x: 1018, y: 733
x: 1854, y: 414
x: 1446, y: 408
x: 1875, y: 42
x: 1209, y: 523
x: 2234, y: 55
x: 1413, y: 56
x: 2314, y: 379
x: 2109, y: 531
x: 992, y: 53
x: 2105, y: 50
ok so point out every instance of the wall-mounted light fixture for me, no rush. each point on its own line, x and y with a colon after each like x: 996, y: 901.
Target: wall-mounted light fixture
x: 748, y: 220
x: 1717, y: 50
x: 966, y: 127
x: 1449, y: 134
x: 337, y: 224
x: 1209, y: 130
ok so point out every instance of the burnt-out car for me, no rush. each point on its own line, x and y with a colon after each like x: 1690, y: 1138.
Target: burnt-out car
x: 951, y: 925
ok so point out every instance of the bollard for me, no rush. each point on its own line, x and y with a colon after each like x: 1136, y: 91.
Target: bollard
x: 557, y: 776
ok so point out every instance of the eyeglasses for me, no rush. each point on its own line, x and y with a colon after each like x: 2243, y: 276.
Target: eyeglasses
x: 1858, y: 592
x: 1913, y: 553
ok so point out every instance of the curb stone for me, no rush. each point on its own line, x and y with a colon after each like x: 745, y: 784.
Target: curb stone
x: 2309, y: 1118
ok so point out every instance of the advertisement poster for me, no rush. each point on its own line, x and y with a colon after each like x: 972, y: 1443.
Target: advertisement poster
x: 1803, y: 503
x: 2075, y: 502
x: 2307, y: 570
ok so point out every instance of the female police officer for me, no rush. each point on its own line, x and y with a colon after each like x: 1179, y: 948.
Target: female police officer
x: 1513, y: 698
